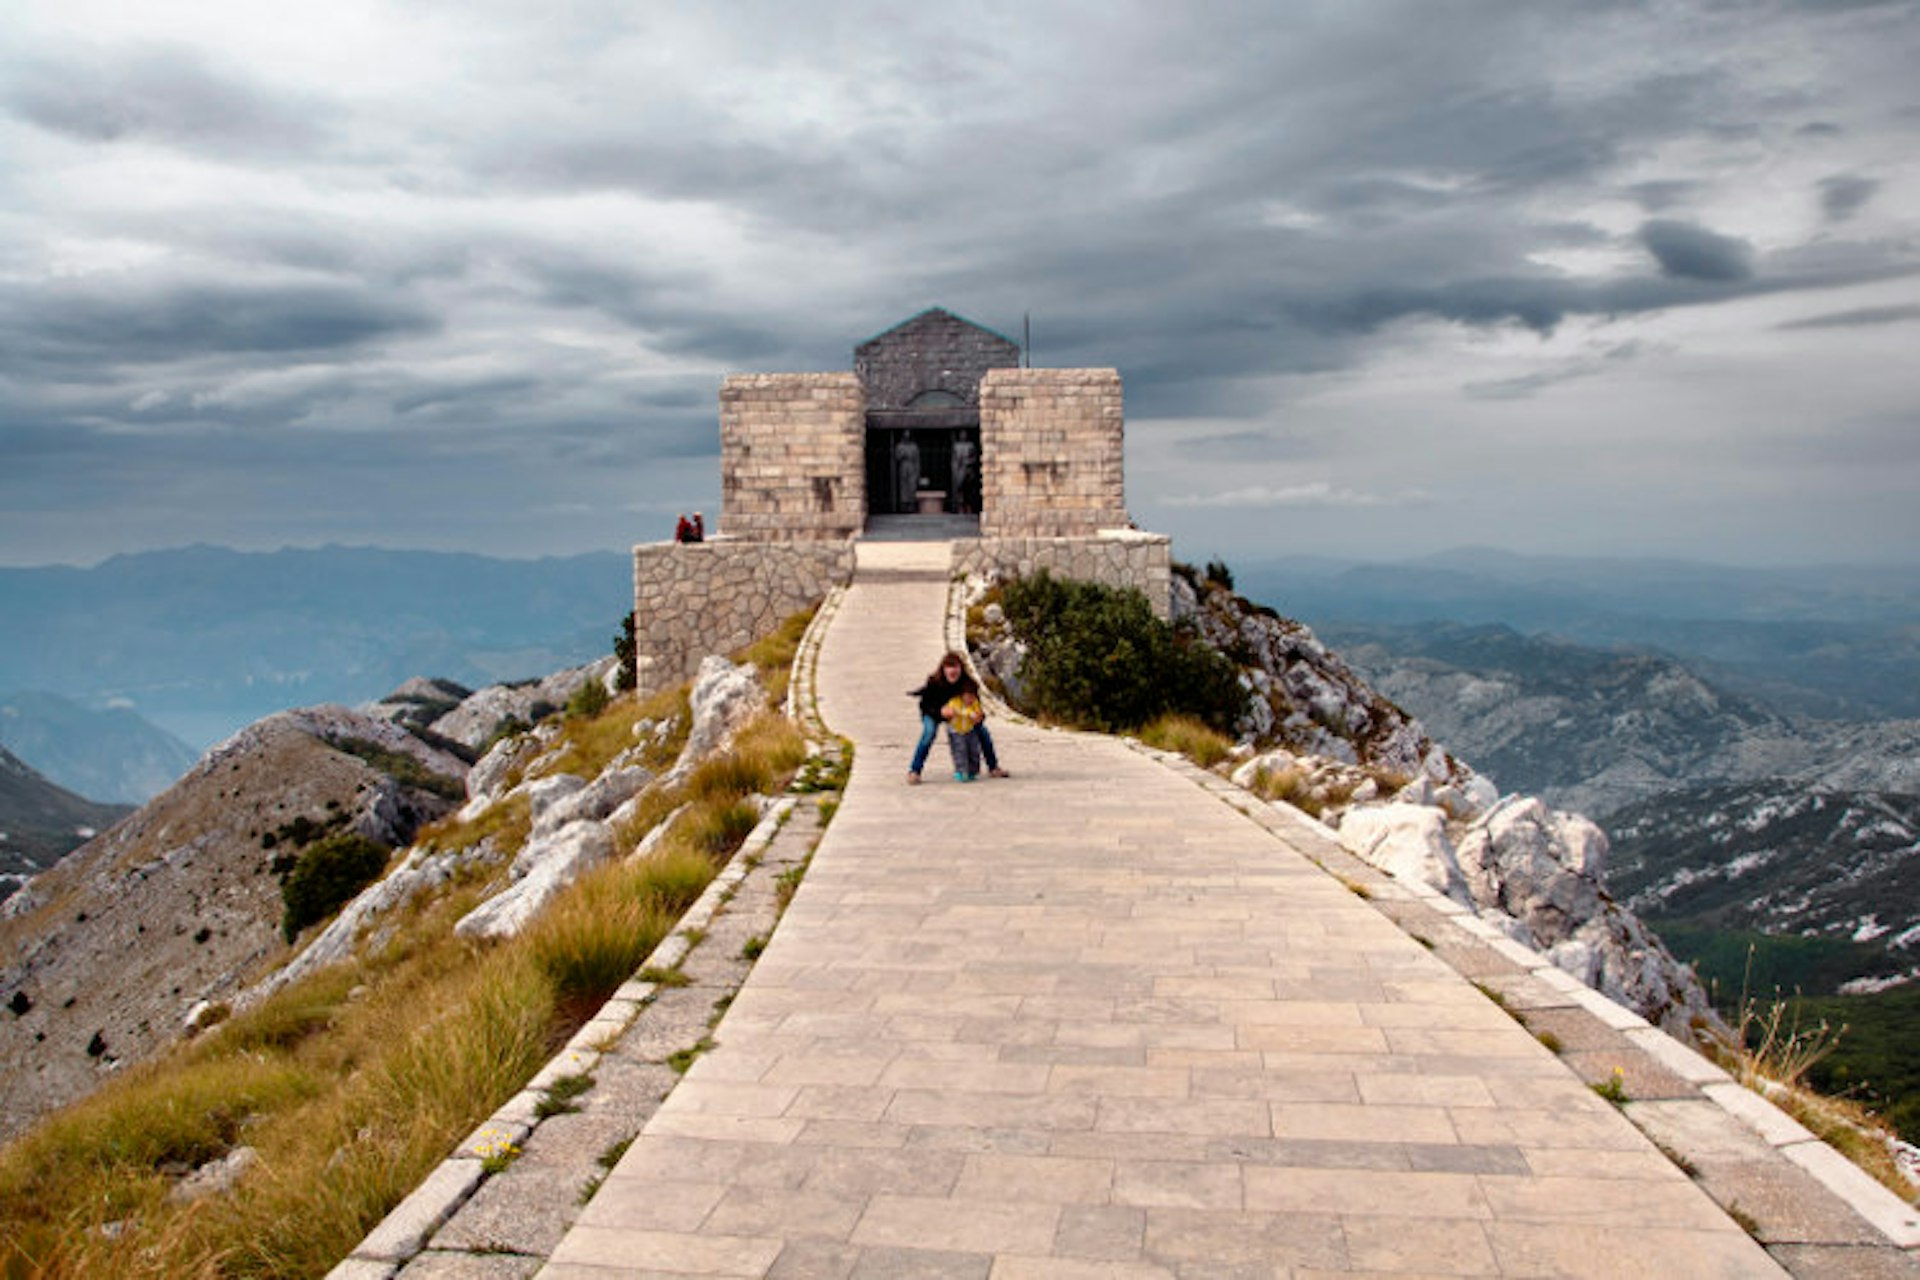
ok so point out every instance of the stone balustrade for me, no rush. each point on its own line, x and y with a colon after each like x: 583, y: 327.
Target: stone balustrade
x: 693, y: 599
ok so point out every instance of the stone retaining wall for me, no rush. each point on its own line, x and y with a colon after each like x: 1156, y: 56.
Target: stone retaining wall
x: 792, y: 456
x: 694, y: 599
x: 1052, y: 448
x: 1112, y: 558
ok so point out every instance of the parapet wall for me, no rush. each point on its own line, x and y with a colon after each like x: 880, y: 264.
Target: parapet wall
x: 792, y: 456
x: 1052, y: 453
x: 1116, y: 558
x: 693, y: 599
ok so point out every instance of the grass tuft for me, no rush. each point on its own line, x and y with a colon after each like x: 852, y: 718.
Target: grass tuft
x: 1189, y: 736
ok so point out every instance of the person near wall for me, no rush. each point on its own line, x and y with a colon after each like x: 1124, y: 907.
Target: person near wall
x: 950, y: 680
x: 682, y: 528
x: 699, y: 528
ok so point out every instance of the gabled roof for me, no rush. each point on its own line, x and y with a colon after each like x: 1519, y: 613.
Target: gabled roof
x: 935, y: 315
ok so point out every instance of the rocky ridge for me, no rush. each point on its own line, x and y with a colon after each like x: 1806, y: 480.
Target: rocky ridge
x: 158, y: 927
x: 1598, y: 729
x: 107, y: 953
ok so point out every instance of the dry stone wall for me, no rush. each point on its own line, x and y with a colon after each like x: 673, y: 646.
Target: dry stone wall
x: 694, y: 599
x: 1051, y: 453
x: 792, y: 460
x: 1117, y: 558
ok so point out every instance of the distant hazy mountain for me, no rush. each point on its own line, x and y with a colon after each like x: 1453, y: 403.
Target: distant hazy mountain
x: 112, y: 756
x: 41, y: 823
x: 1835, y: 642
x: 203, y: 640
x: 1594, y: 730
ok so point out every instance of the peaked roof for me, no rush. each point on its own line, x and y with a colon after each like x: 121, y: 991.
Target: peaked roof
x: 935, y: 314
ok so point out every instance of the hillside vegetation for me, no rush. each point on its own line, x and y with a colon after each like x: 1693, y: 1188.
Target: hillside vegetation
x: 316, y: 1109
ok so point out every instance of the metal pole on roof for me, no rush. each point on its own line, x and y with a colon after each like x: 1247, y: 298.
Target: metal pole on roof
x: 1026, y: 337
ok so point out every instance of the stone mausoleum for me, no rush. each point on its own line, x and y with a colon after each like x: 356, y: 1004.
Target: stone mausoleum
x: 939, y: 432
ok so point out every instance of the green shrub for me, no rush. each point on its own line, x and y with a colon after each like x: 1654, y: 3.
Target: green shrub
x: 326, y: 876
x: 1098, y: 658
x: 404, y: 768
x: 626, y: 648
x: 589, y: 700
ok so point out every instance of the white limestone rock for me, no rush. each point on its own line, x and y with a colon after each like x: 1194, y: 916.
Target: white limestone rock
x: 545, y: 796
x: 595, y: 801
x: 474, y: 720
x: 545, y: 866
x: 488, y: 777
x: 216, y: 1177
x: 725, y: 697
x: 1408, y: 842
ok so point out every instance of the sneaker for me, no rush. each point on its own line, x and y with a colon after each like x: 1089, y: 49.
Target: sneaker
x: 913, y: 779
x: 961, y: 777
x: 998, y: 772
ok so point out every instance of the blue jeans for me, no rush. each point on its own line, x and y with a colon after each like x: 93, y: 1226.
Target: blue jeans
x: 930, y: 727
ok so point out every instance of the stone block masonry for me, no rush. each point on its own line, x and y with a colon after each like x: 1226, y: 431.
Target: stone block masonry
x: 792, y: 456
x: 1052, y: 453
x: 1116, y: 558
x: 693, y: 599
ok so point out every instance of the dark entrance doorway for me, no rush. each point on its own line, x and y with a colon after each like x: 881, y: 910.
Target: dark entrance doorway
x: 921, y: 467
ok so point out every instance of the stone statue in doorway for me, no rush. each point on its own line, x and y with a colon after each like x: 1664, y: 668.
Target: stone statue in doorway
x: 906, y: 472
x: 964, y: 451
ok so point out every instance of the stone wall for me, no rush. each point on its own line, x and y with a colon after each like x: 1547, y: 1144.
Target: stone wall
x: 694, y: 599
x: 792, y: 456
x: 1051, y: 453
x: 1116, y: 558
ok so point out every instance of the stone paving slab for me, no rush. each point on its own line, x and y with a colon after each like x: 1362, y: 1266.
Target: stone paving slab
x: 1091, y: 1021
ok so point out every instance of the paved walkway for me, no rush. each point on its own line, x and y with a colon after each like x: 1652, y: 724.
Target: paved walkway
x: 1090, y: 1021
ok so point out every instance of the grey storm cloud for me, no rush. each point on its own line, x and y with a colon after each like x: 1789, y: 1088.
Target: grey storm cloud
x: 1688, y: 252
x: 169, y: 94
x: 1844, y: 195
x: 1862, y: 317
x: 541, y: 248
x: 120, y: 325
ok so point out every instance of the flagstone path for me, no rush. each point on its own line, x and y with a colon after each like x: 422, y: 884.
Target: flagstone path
x: 1091, y: 1022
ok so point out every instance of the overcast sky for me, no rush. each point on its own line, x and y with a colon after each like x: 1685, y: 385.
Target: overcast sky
x: 1381, y: 278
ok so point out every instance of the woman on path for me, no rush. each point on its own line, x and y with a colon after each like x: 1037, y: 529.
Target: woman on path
x: 949, y: 680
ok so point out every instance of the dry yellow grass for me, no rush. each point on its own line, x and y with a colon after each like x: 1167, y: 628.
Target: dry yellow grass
x: 1190, y: 737
x: 347, y: 1095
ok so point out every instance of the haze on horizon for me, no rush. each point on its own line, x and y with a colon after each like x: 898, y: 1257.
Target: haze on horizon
x: 1382, y: 278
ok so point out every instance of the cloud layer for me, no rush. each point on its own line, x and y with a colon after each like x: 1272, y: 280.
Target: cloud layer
x: 1380, y: 277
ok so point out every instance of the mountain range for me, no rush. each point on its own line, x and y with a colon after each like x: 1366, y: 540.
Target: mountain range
x: 111, y: 755
x: 203, y: 640
x: 1833, y: 642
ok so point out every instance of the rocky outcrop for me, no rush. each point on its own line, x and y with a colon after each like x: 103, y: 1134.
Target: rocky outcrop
x: 575, y: 819
x: 1304, y: 697
x: 1538, y: 875
x: 103, y: 956
x: 474, y: 720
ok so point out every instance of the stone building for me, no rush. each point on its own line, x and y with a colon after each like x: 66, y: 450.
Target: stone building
x: 938, y: 432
